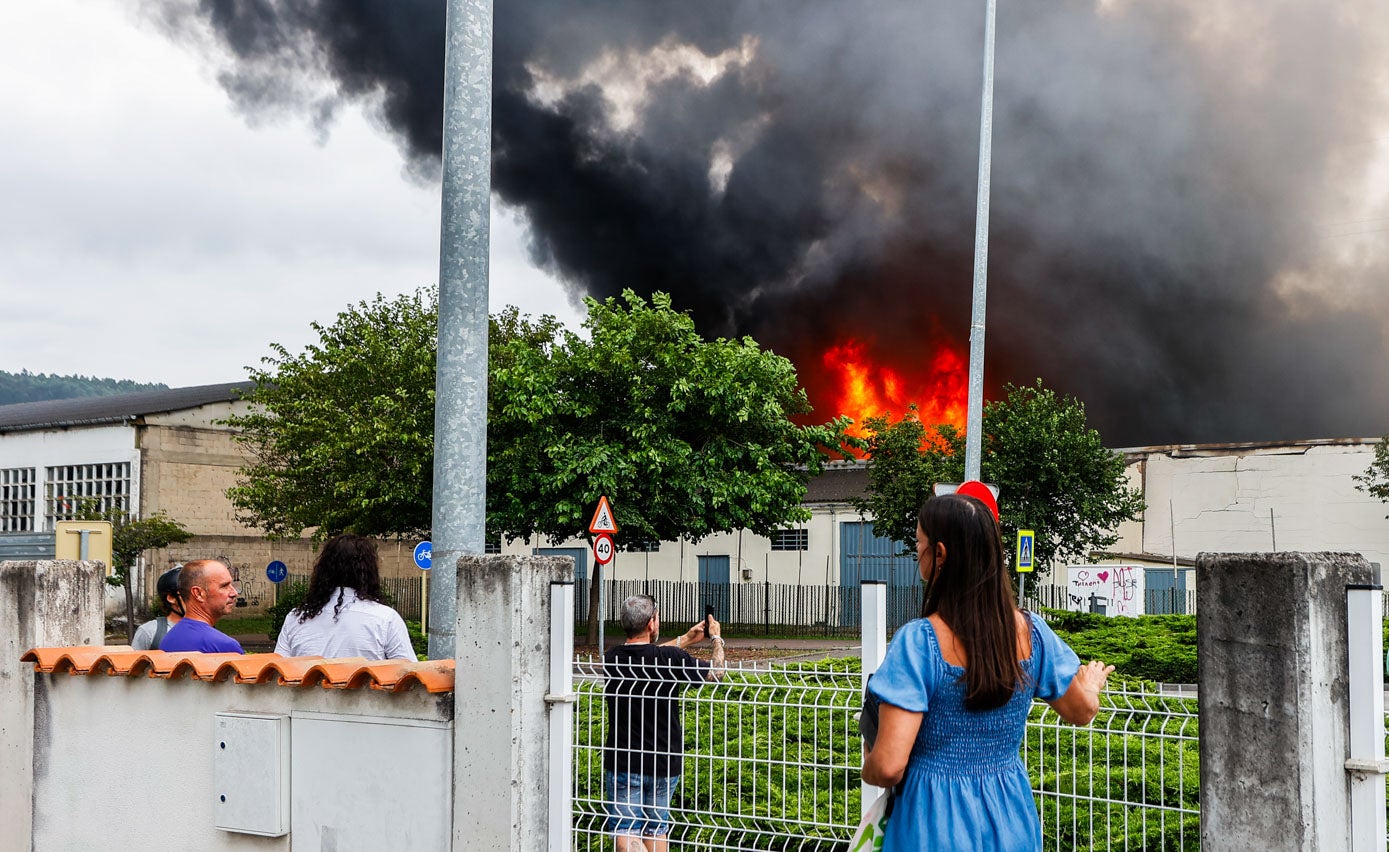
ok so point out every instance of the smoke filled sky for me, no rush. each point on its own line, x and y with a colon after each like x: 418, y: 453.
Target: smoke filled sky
x: 1190, y: 206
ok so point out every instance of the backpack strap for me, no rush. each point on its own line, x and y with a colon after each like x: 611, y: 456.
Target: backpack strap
x: 162, y: 627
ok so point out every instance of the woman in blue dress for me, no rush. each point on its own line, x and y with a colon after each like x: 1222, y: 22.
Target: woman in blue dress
x: 956, y: 688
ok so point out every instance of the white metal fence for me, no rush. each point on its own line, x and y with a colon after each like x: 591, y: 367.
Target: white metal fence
x: 773, y: 754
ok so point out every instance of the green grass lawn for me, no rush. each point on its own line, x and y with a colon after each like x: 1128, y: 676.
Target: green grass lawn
x: 245, y: 626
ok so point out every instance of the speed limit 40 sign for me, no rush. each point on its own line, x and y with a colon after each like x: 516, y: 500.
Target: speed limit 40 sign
x: 603, y: 549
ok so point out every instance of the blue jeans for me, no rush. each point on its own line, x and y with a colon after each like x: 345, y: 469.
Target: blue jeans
x: 638, y: 805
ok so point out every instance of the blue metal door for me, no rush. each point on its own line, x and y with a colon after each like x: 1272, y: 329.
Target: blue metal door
x: 580, y: 555
x: 713, y: 585
x: 866, y: 556
x: 1164, y: 591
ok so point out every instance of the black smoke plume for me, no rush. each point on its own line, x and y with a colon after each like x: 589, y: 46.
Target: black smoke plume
x: 1188, y: 203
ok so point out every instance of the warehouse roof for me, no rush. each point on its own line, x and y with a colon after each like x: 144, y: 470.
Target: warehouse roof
x: 100, y: 410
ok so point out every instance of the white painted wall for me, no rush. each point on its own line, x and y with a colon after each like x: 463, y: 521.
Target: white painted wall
x: 53, y: 447
x: 677, y: 561
x: 1301, y: 497
x: 127, y: 763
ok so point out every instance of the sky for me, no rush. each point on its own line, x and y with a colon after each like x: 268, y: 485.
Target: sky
x: 150, y: 232
x: 1189, y: 226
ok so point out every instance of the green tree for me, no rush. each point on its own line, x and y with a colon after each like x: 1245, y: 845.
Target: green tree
x: 1053, y: 473
x: 341, y: 435
x: 1375, y: 480
x: 131, y: 537
x: 686, y: 436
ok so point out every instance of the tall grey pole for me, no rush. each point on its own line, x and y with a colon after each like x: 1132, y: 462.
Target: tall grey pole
x: 460, y: 395
x: 975, y: 412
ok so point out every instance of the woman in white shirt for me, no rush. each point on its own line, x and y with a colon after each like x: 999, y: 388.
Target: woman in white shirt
x: 342, y: 614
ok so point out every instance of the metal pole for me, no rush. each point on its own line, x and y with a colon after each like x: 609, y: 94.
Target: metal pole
x: 460, y: 396
x: 975, y: 413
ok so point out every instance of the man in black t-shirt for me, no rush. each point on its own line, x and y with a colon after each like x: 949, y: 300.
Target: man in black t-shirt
x: 645, y: 743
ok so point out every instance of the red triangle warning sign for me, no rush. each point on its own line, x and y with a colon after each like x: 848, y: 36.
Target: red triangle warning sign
x: 603, y: 521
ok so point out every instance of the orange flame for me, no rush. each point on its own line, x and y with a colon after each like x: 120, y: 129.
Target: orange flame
x: 868, y: 389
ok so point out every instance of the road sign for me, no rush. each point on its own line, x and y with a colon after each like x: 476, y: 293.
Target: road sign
x: 276, y: 571
x: 91, y: 540
x: 1025, y: 542
x: 424, y: 555
x: 603, y: 549
x: 603, y: 521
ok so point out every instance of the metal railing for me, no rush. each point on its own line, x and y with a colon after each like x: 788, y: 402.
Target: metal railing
x: 1129, y: 780
x: 773, y: 755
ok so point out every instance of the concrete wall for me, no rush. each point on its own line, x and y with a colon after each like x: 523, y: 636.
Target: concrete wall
x: 1271, y: 632
x: 41, y: 604
x: 187, y: 471
x: 133, y: 762
x: 127, y: 763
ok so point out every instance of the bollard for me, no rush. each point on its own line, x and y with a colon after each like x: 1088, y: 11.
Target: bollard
x: 873, y: 645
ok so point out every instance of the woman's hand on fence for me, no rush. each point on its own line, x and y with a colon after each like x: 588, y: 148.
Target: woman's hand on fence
x: 1093, y: 676
x: 1082, y: 699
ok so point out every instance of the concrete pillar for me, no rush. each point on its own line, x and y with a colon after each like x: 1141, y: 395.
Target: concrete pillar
x: 42, y: 605
x: 1271, y: 639
x: 501, y: 719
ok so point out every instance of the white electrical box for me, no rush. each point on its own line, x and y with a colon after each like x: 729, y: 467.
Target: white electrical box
x: 250, y: 773
x: 372, y: 783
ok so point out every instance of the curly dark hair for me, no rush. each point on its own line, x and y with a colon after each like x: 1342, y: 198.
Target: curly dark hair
x: 346, y: 561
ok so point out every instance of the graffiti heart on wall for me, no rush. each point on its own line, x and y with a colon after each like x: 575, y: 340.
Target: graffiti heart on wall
x: 1118, y: 588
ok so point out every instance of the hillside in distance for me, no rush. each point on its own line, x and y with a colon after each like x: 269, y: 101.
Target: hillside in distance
x: 25, y: 386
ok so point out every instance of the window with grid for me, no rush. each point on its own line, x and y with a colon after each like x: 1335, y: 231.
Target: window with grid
x: 17, y: 493
x: 67, y: 486
x: 791, y: 540
x: 492, y: 546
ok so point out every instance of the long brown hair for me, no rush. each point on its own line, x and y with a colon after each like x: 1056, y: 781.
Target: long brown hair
x: 972, y: 592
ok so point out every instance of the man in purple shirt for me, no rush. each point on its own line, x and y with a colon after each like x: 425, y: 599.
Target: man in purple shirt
x: 206, y: 589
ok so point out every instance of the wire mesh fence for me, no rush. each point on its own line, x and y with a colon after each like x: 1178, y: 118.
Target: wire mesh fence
x: 772, y: 756
x: 771, y: 759
x: 1129, y: 780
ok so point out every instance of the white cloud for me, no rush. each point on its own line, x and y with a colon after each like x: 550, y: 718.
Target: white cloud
x: 146, y: 232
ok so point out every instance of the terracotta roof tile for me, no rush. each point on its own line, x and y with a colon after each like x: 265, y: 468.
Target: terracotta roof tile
x: 199, y: 666
x: 118, y: 663
x: 288, y: 671
x: 433, y: 675
x: 346, y: 673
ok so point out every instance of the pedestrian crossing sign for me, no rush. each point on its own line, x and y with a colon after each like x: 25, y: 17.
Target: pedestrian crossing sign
x: 1025, y: 541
